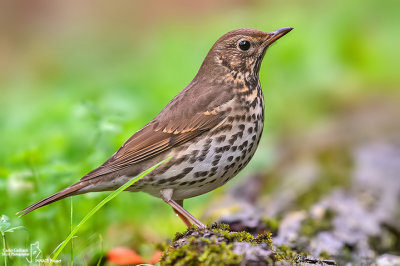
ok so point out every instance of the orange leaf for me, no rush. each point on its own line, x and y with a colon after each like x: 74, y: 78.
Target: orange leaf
x: 123, y: 256
x: 156, y: 257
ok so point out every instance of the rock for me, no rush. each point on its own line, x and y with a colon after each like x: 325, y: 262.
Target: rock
x: 387, y: 260
x: 218, y: 245
x: 356, y: 224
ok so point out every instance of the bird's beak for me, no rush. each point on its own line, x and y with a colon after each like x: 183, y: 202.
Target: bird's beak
x: 275, y: 35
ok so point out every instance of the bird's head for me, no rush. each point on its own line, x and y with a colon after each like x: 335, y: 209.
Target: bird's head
x: 240, y: 51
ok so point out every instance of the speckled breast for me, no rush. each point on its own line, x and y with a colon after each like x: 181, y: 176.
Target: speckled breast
x: 213, y: 158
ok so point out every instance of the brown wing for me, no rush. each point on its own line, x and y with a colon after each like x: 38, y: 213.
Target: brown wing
x: 153, y: 139
x: 183, y: 119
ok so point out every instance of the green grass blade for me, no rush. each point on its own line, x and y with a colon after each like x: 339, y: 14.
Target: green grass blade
x: 70, y: 230
x: 101, y: 204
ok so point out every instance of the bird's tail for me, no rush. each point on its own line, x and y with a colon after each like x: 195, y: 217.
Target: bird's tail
x: 67, y: 192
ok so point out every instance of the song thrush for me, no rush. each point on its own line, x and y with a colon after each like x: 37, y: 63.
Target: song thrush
x: 211, y: 130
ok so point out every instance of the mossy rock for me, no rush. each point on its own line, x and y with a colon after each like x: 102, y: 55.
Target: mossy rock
x: 217, y: 245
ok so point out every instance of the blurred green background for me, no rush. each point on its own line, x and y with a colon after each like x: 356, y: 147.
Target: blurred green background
x: 77, y: 78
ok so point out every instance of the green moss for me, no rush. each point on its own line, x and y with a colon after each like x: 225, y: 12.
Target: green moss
x: 263, y: 238
x: 324, y: 255
x: 220, y: 226
x: 311, y: 226
x: 387, y: 241
x: 201, y: 251
x: 272, y: 224
x: 211, y: 246
x: 214, y: 246
x: 285, y: 253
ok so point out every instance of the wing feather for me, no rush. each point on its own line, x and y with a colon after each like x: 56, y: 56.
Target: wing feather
x: 173, y: 126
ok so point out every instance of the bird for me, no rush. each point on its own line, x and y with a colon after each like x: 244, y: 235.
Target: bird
x: 210, y: 130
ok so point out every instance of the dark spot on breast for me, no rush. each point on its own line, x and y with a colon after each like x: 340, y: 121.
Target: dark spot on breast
x: 237, y: 159
x: 205, y: 150
x: 248, y: 160
x: 223, y: 128
x: 162, y: 181
x: 216, y: 159
x: 250, y: 130
x: 218, y: 149
x: 203, y: 156
x: 212, y: 181
x: 161, y: 170
x: 181, y: 160
x: 234, y: 148
x: 251, y: 146
x: 221, y: 138
x: 256, y: 126
x: 213, y: 171
x: 244, y: 144
x: 230, y: 158
x: 233, y: 139
x: 241, y: 127
x: 193, y: 155
x: 226, y: 171
x: 230, y: 119
x: 181, y: 175
x: 253, y: 104
x: 187, y: 170
x: 200, y: 173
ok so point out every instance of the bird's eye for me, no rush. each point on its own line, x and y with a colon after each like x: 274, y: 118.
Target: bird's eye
x: 244, y: 45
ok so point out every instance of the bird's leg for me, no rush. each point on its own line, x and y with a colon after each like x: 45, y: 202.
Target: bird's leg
x: 186, y: 217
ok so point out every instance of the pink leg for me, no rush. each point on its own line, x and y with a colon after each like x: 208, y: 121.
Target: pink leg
x: 183, y: 214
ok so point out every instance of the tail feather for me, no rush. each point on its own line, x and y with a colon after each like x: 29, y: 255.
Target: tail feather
x: 67, y: 192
